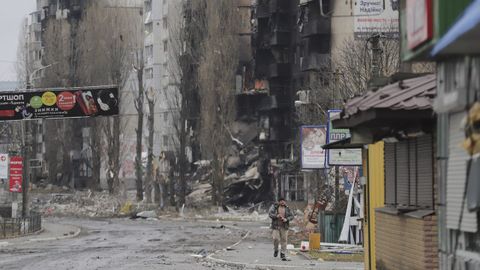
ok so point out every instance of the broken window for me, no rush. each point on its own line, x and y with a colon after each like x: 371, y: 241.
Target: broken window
x: 293, y: 188
x: 165, y: 22
x: 165, y: 140
x: 149, y: 73
x: 149, y: 28
x: 149, y: 52
x: 165, y: 45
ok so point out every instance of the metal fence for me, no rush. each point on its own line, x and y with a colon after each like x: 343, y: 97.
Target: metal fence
x: 329, y: 229
x: 13, y: 227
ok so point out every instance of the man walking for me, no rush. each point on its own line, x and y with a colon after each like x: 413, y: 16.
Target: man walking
x: 281, y: 216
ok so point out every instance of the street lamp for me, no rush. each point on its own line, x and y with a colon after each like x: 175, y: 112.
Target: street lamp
x: 25, y: 151
x: 30, y: 76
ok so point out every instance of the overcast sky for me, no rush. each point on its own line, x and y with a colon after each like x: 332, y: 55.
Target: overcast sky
x: 11, y: 14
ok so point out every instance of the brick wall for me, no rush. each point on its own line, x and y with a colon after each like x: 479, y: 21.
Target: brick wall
x: 405, y: 242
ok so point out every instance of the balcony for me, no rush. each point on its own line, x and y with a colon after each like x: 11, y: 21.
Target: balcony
x: 149, y: 39
x: 279, y: 6
x: 279, y: 70
x: 317, y: 26
x: 280, y: 38
x: 263, y: 9
x: 315, y: 62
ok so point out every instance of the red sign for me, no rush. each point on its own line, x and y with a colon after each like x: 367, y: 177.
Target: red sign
x: 16, y: 174
x: 66, y: 101
x: 419, y: 22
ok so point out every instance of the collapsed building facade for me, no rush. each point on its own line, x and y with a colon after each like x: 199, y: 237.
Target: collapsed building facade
x: 289, y: 43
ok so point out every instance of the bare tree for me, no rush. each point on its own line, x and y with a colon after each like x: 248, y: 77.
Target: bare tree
x: 57, y: 51
x: 353, y: 68
x: 344, y: 76
x: 139, y: 66
x: 107, y: 35
x: 183, y: 102
x: 151, y: 133
x: 217, y: 70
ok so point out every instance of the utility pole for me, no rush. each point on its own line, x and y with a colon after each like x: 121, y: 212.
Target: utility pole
x: 377, y: 78
x: 26, y: 138
x: 26, y: 169
x: 376, y: 55
x: 337, y: 196
x: 24, y: 129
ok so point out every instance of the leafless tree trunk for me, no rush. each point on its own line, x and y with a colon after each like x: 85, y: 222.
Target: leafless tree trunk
x: 185, y: 53
x: 217, y: 83
x: 107, y: 34
x: 149, y: 181
x: 139, y: 102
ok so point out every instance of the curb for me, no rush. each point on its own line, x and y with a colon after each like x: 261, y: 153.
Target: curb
x: 211, y: 258
x: 75, y: 234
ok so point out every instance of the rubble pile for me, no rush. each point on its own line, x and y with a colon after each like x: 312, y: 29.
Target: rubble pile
x: 245, y: 179
x: 254, y: 213
x: 79, y: 204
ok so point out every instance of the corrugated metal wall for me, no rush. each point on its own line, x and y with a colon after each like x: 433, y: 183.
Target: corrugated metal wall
x: 401, y: 163
x: 389, y: 173
x: 456, y: 177
x: 425, y: 176
x: 375, y: 197
x: 329, y: 232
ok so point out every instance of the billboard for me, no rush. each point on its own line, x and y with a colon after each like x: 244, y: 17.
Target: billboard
x: 59, y: 103
x: 345, y: 157
x: 376, y: 16
x: 419, y: 22
x: 16, y: 176
x: 312, y: 140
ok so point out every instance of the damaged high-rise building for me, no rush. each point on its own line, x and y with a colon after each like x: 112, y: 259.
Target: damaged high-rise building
x: 291, y: 45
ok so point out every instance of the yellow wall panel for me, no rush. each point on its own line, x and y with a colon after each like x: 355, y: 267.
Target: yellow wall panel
x: 374, y: 197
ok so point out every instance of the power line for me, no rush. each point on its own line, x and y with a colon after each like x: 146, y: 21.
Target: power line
x: 8, y: 61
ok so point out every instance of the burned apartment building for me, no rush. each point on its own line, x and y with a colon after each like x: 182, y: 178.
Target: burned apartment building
x: 58, y: 27
x: 42, y: 63
x: 290, y: 52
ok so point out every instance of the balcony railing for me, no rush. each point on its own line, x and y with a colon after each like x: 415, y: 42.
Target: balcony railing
x: 279, y: 70
x: 317, y: 26
x: 315, y: 62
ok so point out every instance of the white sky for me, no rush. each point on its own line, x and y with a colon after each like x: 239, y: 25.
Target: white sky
x: 12, y: 13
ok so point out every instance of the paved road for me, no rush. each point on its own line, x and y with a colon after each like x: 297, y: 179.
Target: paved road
x: 123, y: 244
x: 157, y: 244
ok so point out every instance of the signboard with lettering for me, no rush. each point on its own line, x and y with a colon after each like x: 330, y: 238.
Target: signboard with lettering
x: 376, y: 16
x: 3, y: 166
x: 419, y: 22
x: 59, y: 103
x: 312, y: 140
x: 16, y: 174
x: 345, y: 157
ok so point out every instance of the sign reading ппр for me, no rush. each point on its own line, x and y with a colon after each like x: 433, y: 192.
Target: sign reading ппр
x: 345, y: 157
x: 59, y: 103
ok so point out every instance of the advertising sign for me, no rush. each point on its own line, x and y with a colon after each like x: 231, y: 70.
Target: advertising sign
x: 3, y: 166
x: 312, y: 140
x: 376, y: 16
x: 16, y: 176
x: 59, y: 103
x: 345, y: 157
x: 419, y: 22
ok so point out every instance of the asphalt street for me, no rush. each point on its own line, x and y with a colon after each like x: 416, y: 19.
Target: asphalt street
x: 84, y: 244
